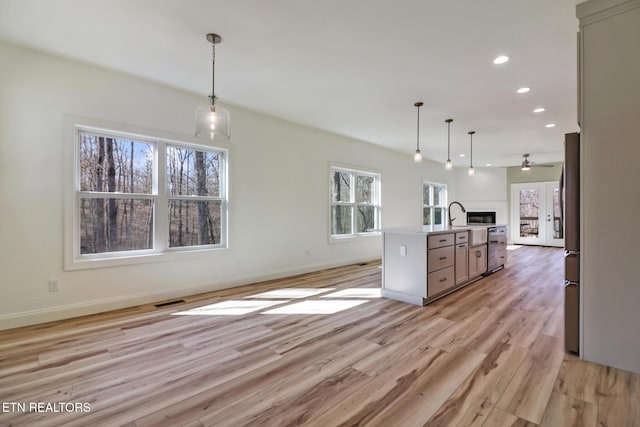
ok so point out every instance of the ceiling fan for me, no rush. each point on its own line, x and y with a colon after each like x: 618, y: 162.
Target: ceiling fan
x: 526, y: 164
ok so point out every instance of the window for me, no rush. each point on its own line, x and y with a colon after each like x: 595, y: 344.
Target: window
x: 137, y: 195
x: 434, y: 203
x: 195, y: 205
x: 355, y: 202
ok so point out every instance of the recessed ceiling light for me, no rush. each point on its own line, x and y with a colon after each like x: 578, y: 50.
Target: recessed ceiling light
x: 461, y: 155
x: 523, y: 90
x: 538, y: 110
x: 488, y: 164
x: 501, y: 59
x: 550, y: 125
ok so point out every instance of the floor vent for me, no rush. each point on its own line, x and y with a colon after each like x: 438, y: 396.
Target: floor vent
x: 164, y: 304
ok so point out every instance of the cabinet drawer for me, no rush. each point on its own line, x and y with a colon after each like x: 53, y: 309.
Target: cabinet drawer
x: 440, y: 258
x: 498, y: 258
x: 440, y: 280
x: 440, y: 240
x: 501, y: 241
x: 502, y: 257
x: 462, y: 237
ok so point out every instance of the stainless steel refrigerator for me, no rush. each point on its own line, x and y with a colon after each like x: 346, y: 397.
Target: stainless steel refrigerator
x: 570, y: 190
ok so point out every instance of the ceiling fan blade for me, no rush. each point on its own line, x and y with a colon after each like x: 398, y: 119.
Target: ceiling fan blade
x: 541, y: 165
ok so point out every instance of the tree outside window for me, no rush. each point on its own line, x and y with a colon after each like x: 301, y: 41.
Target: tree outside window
x: 434, y: 203
x: 355, y: 205
x: 124, y: 193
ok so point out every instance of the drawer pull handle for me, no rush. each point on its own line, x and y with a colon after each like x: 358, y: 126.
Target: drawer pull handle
x: 493, y: 241
x: 442, y: 240
x: 443, y: 280
x: 443, y: 258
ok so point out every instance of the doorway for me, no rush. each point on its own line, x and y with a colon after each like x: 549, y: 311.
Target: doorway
x: 536, y: 214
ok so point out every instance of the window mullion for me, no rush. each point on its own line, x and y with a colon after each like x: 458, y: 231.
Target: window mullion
x: 352, y: 199
x: 161, y: 214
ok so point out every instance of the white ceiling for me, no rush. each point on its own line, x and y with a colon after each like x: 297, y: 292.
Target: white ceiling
x: 353, y: 67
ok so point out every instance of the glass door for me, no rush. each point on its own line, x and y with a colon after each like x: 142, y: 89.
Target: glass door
x: 535, y: 214
x: 528, y: 220
x: 555, y: 229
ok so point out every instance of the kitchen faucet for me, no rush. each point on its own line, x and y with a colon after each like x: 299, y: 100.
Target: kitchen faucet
x: 449, y: 211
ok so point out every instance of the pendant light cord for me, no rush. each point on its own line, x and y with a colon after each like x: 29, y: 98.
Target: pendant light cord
x: 449, y: 139
x: 471, y: 148
x: 213, y: 74
x: 418, y: 131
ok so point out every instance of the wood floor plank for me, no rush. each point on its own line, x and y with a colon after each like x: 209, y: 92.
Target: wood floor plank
x: 489, y: 354
x: 618, y: 398
x: 432, y: 389
x: 579, y: 379
x: 472, y: 402
x: 567, y: 411
x: 529, y: 391
x: 281, y: 393
x: 383, y: 391
x: 499, y: 418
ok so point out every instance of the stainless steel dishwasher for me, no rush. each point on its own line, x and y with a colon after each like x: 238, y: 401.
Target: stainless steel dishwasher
x: 496, y: 248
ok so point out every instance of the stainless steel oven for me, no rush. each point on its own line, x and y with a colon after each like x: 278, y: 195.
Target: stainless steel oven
x: 481, y: 218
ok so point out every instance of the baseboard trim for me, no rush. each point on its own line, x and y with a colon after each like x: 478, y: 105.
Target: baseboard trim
x: 34, y: 317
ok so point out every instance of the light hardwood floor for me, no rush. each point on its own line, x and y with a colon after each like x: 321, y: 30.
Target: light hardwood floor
x: 489, y: 355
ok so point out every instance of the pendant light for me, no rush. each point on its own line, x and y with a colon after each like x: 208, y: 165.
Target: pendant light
x: 471, y: 170
x: 448, y: 165
x: 417, y: 157
x: 212, y: 121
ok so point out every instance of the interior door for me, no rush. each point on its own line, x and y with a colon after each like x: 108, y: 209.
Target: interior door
x: 535, y: 214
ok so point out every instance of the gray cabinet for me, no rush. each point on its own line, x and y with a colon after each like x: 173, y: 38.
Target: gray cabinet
x: 462, y: 263
x: 440, y: 264
x: 421, y: 266
x: 477, y: 261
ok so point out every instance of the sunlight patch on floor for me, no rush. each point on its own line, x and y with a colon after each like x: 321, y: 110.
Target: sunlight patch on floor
x: 513, y: 247
x: 229, y: 308
x: 291, y: 293
x: 355, y: 293
x: 316, y: 307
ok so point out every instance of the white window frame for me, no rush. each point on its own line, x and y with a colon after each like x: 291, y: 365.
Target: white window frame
x: 220, y: 198
x: 160, y: 198
x: 354, y: 204
x: 432, y: 206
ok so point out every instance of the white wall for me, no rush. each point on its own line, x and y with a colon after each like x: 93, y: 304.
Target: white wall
x: 279, y: 188
x: 484, y: 191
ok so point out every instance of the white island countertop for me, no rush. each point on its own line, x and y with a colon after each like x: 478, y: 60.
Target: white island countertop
x: 436, y: 229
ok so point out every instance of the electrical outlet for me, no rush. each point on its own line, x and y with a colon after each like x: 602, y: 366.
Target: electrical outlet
x: 54, y: 285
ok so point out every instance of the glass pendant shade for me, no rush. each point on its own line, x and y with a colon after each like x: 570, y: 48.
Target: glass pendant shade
x: 417, y: 157
x: 471, y: 170
x: 448, y: 166
x: 213, y: 122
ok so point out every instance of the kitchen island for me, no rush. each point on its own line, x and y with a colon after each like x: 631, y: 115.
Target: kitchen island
x: 423, y: 264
